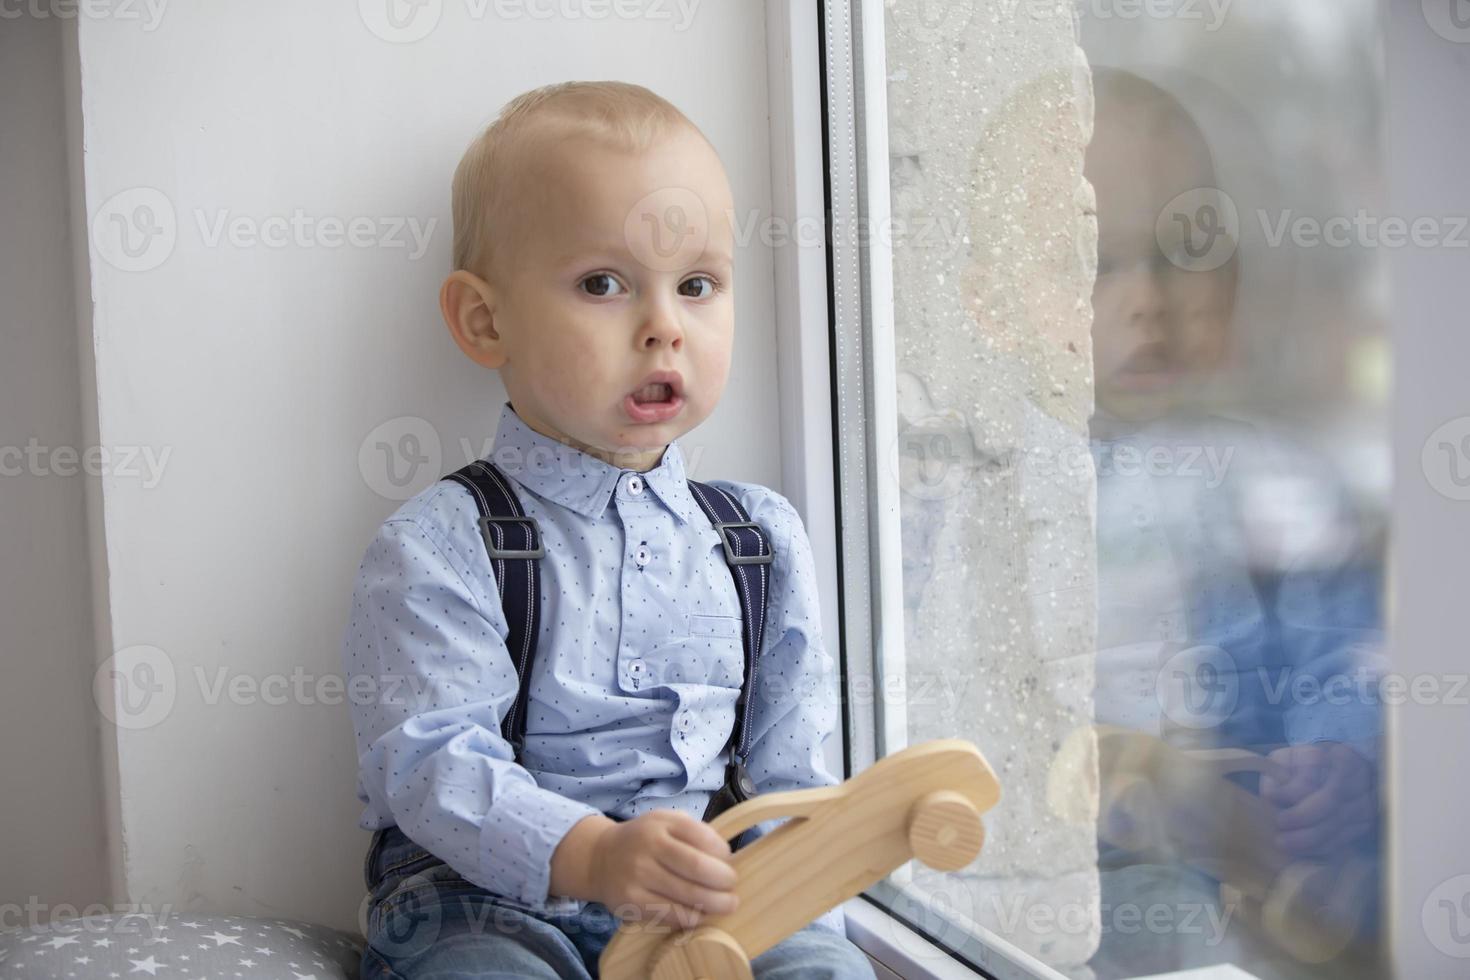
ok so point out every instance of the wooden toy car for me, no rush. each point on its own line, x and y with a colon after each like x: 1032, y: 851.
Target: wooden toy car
x: 923, y: 802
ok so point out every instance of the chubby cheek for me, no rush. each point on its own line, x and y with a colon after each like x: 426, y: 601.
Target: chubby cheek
x: 572, y: 381
x: 713, y: 373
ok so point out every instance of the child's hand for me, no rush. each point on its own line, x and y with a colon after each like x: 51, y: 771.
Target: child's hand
x: 1326, y: 800
x: 663, y: 867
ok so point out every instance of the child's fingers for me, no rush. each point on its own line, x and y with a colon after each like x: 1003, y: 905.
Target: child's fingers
x: 1317, y: 807
x: 684, y: 892
x: 1288, y: 793
x: 655, y: 910
x: 1300, y: 774
x: 689, y: 862
x: 701, y: 835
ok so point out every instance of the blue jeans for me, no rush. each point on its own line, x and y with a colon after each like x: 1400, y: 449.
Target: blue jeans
x: 426, y: 922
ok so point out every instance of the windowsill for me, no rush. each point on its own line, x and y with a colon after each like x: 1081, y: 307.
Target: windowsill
x: 897, y: 948
x: 906, y: 954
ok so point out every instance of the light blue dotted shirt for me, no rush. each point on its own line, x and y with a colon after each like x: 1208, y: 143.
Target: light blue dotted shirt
x: 638, y: 664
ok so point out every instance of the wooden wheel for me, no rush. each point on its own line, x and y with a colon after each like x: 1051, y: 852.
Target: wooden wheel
x: 706, y: 953
x: 1313, y: 910
x: 945, y: 831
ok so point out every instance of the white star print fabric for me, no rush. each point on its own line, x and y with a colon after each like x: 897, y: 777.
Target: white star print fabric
x: 179, y: 947
x: 638, y: 664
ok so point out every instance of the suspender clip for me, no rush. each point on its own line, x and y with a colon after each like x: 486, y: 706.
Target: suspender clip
x: 534, y: 530
x: 730, y: 555
x: 737, y: 788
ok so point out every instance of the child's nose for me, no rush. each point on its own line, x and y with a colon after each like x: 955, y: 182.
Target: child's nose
x: 661, y: 327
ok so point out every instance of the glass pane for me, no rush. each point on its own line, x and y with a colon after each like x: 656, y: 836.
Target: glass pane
x: 1139, y: 291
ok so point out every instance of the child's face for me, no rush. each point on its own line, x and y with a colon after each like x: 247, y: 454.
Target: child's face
x: 621, y: 267
x: 1157, y: 327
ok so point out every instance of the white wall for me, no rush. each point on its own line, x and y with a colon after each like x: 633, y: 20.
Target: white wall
x: 260, y: 372
x: 51, y: 792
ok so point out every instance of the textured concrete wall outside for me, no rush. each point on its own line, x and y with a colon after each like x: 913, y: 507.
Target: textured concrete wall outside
x: 994, y: 256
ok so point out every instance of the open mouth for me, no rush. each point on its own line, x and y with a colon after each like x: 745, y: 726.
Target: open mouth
x: 658, y: 399
x: 654, y: 394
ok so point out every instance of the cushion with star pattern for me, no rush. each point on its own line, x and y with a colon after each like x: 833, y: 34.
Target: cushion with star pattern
x: 178, y: 947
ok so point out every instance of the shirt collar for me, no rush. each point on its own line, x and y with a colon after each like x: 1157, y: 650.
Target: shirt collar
x: 577, y: 480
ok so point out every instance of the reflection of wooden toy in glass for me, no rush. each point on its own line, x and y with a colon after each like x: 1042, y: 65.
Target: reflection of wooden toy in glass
x: 1167, y: 805
x: 923, y: 802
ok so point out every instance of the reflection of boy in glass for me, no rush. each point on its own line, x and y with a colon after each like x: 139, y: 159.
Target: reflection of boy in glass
x: 1261, y: 619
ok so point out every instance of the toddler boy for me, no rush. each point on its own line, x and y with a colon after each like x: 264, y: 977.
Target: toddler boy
x: 593, y: 269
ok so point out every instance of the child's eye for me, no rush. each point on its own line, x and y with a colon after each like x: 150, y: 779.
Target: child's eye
x: 601, y: 284
x: 711, y: 287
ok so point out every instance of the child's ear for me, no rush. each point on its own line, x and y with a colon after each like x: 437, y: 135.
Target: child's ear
x: 467, y: 302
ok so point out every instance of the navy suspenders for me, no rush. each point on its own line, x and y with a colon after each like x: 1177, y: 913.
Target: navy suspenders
x: 513, y: 544
x: 749, y: 556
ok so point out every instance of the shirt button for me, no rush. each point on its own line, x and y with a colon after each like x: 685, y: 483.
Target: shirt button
x: 683, y: 721
x: 635, y: 485
x: 642, y: 556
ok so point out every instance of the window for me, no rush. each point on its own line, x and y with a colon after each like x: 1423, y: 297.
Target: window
x: 1107, y: 291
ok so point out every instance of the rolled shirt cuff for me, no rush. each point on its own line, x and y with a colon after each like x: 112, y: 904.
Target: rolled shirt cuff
x: 518, y: 838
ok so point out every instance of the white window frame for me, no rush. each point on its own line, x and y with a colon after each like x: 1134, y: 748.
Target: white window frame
x: 856, y: 321
x: 1428, y: 782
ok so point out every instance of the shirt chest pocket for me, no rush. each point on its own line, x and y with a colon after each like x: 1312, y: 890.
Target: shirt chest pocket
x: 709, y: 653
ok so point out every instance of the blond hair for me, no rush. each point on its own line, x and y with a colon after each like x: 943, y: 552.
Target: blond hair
x: 485, y: 192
